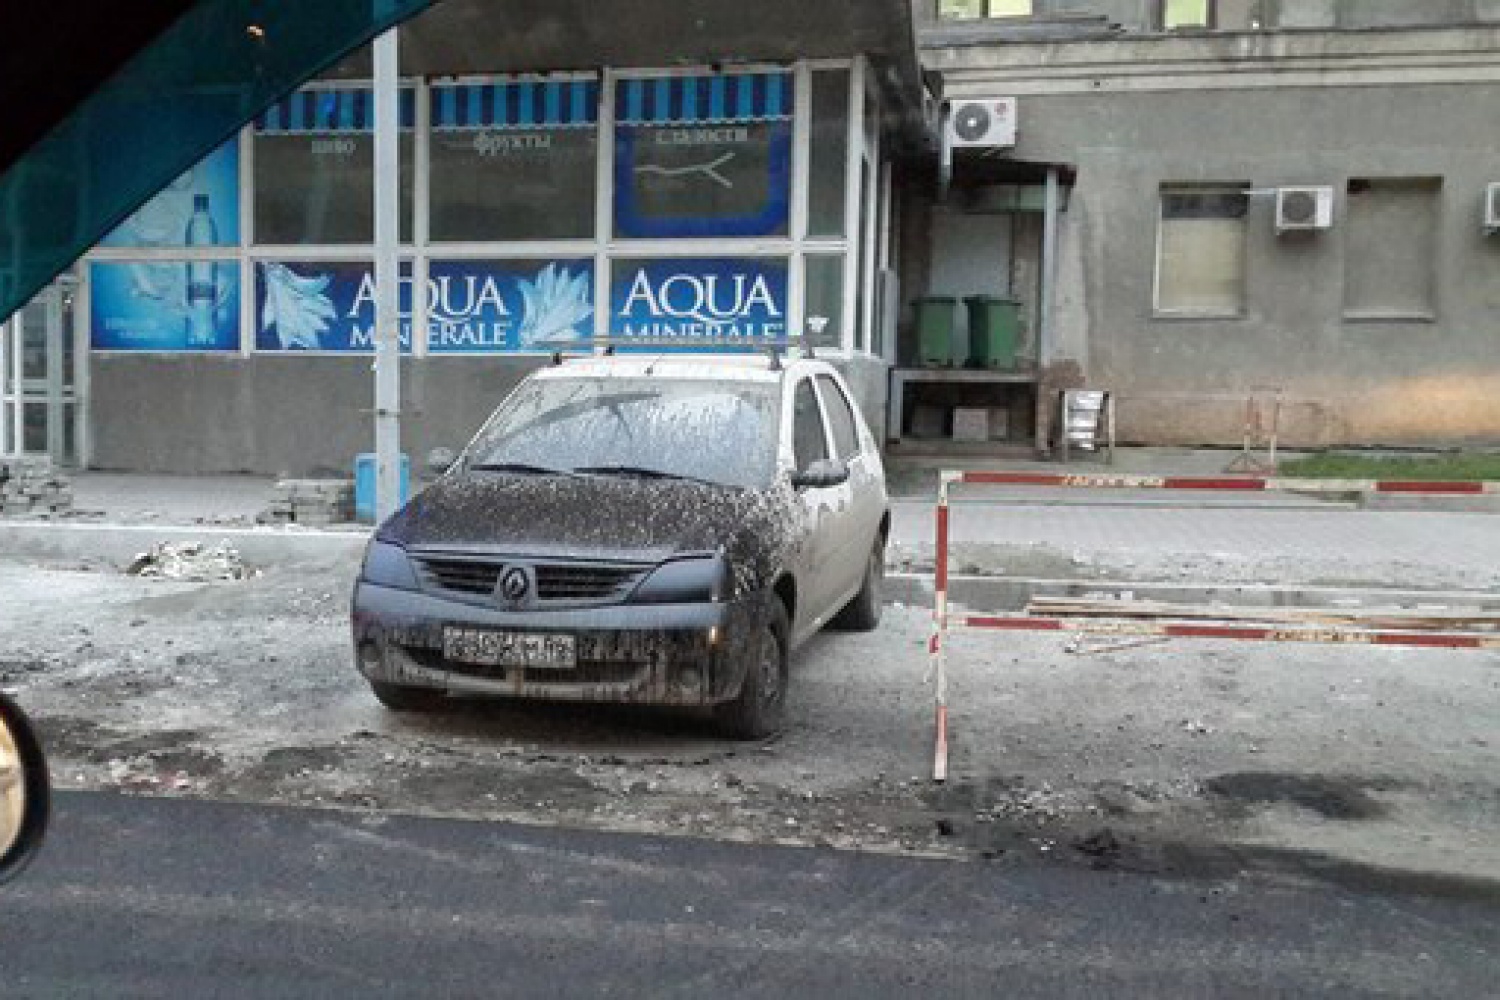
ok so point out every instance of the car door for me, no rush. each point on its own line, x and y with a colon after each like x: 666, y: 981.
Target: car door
x: 818, y: 576
x: 860, y: 504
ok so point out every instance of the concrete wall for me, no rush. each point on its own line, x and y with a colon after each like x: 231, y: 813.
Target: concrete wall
x: 1141, y: 15
x: 273, y: 415
x: 301, y: 415
x: 1354, y: 382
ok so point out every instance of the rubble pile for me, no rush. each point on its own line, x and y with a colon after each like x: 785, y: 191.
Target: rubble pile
x: 312, y: 502
x: 33, y: 486
x: 190, y: 562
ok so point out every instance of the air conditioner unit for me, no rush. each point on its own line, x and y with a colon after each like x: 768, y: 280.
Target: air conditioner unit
x: 1304, y: 209
x: 1492, y: 209
x: 981, y: 123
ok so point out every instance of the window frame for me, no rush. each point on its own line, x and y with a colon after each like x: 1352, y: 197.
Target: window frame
x: 986, y: 13
x: 829, y: 449
x: 1165, y: 189
x: 1354, y: 187
x: 828, y: 385
x: 1210, y: 17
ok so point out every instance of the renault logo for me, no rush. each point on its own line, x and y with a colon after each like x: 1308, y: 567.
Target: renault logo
x: 513, y: 586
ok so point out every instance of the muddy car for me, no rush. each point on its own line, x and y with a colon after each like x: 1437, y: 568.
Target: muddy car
x: 642, y: 530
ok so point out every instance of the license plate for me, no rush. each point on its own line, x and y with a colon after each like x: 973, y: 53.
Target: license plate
x: 526, y: 650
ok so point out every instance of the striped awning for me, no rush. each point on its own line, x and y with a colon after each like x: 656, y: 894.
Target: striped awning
x: 345, y: 109
x: 700, y: 100
x: 516, y: 105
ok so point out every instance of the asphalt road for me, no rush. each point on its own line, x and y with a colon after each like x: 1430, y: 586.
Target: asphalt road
x: 156, y: 897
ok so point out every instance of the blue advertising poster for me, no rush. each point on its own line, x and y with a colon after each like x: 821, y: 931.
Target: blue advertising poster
x: 165, y: 306
x: 719, y: 298
x: 322, y: 306
x: 509, y: 305
x: 473, y: 306
x: 199, y: 208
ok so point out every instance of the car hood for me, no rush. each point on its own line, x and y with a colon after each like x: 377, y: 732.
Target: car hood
x: 612, y: 517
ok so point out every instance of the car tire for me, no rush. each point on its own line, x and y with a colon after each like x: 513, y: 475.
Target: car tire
x: 757, y: 711
x: 862, y: 613
x: 400, y: 698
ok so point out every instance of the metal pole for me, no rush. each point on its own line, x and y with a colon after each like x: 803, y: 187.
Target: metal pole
x: 387, y: 279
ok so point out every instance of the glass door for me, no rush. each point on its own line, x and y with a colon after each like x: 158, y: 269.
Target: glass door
x: 38, y: 364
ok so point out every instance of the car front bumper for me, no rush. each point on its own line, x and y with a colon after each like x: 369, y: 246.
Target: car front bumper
x: 679, y: 654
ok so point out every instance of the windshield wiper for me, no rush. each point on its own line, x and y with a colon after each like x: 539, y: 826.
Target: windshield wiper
x: 519, y: 468
x: 641, y: 472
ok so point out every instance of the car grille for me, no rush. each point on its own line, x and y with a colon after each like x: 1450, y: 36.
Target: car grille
x: 563, y: 583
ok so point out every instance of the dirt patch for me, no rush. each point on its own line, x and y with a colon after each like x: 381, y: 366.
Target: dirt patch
x: 286, y: 762
x: 1339, y: 798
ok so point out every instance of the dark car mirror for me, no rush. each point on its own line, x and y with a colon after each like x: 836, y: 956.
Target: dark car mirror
x: 25, y: 792
x: 440, y: 460
x: 822, y: 474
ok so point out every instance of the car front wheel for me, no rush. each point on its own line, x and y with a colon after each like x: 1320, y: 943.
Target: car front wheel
x: 757, y: 712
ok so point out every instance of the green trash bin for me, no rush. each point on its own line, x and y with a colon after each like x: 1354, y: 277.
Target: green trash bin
x: 994, y: 331
x: 936, y: 344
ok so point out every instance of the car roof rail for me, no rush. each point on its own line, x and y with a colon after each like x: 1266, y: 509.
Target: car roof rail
x: 774, y: 347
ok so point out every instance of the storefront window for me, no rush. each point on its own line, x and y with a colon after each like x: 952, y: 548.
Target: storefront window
x: 315, y: 168
x: 201, y: 208
x: 323, y: 306
x: 514, y: 161
x: 486, y: 306
x: 719, y: 298
x: 156, y: 305
x: 830, y: 153
x: 705, y: 156
x: 824, y: 321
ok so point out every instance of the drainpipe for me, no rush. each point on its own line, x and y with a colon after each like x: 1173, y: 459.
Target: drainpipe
x: 1046, y: 333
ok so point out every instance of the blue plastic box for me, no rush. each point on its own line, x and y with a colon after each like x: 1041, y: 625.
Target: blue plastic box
x: 364, y: 485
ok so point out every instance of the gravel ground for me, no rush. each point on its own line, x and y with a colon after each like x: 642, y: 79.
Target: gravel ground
x: 1194, y: 758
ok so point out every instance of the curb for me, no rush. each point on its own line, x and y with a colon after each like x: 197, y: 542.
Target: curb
x: 981, y: 593
x: 119, y: 543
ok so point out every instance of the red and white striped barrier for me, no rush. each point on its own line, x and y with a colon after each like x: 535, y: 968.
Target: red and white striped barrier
x: 942, y: 622
x: 1241, y: 484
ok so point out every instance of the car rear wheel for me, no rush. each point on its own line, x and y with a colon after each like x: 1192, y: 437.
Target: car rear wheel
x: 400, y: 698
x: 862, y: 613
x: 757, y: 712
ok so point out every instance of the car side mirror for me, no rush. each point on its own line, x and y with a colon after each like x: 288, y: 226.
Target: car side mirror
x: 25, y: 792
x: 820, y: 475
x: 440, y: 460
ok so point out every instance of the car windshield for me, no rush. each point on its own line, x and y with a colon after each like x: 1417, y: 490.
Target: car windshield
x: 650, y: 427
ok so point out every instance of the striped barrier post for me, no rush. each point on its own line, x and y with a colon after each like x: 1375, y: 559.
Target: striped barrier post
x: 936, y: 654
x: 942, y: 621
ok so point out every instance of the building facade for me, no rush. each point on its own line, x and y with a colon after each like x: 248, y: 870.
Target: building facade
x: 781, y: 170
x: 1179, y: 128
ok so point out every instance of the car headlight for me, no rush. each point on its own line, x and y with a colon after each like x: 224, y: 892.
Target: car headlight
x: 696, y: 580
x: 388, y: 565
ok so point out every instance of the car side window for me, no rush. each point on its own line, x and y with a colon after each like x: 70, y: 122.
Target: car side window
x: 840, y: 418
x: 809, y: 442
